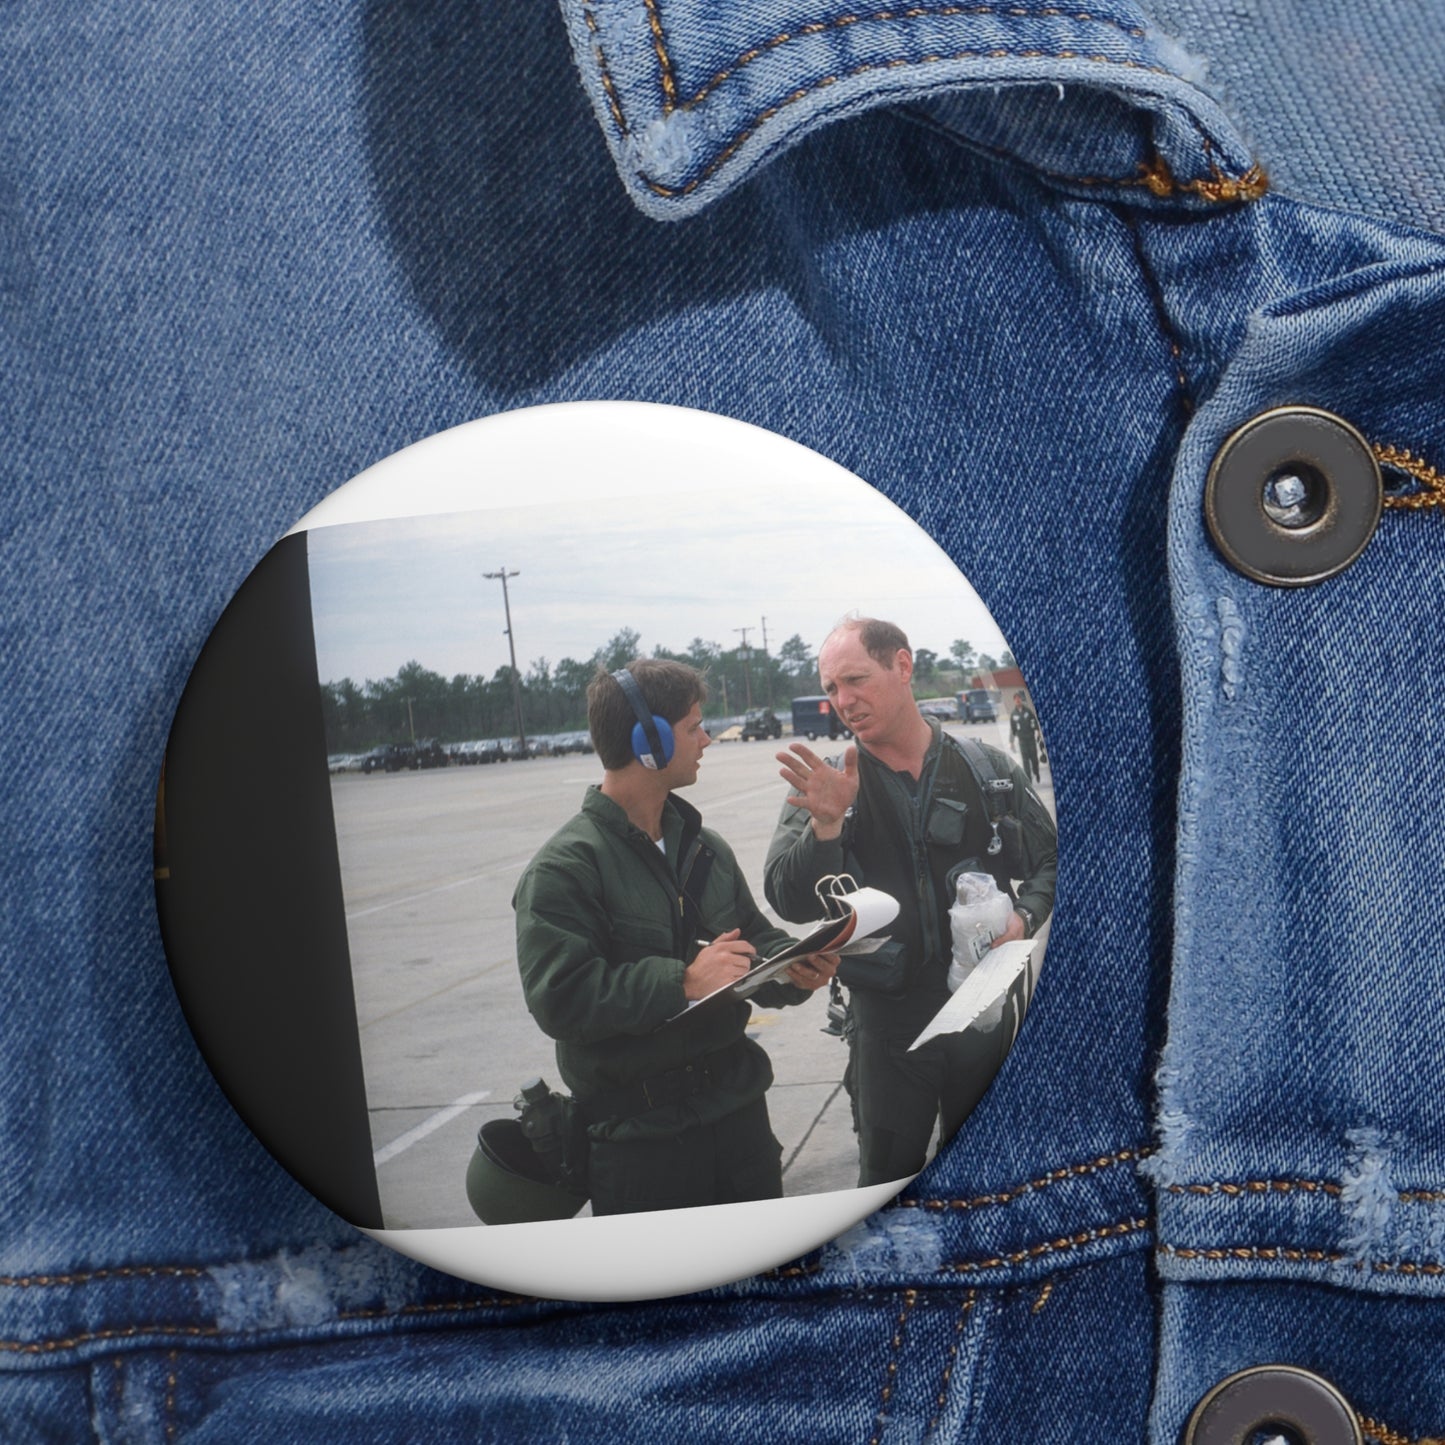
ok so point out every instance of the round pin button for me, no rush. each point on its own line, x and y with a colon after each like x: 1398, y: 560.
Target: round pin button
x: 1284, y: 1399
x: 1293, y: 496
x: 524, y: 869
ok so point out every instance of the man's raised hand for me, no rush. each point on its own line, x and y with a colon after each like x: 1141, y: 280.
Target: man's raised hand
x: 826, y: 792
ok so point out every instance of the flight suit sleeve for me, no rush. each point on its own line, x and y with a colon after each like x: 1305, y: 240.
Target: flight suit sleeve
x: 743, y: 913
x: 575, y: 984
x: 1041, y: 850
x: 796, y: 861
x: 768, y: 940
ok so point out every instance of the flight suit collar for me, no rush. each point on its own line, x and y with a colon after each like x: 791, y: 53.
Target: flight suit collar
x: 681, y: 823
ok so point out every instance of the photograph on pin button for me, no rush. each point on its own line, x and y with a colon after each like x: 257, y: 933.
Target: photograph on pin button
x: 599, y: 740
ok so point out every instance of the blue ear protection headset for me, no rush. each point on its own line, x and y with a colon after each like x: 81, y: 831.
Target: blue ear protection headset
x: 652, y: 741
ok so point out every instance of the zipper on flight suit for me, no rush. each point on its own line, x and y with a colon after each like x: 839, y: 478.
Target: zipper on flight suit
x: 917, y: 812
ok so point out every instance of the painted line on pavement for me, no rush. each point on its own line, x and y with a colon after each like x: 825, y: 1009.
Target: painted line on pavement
x: 429, y: 1126
x: 440, y: 888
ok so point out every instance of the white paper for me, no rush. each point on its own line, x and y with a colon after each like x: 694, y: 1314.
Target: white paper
x: 869, y: 909
x: 984, y: 986
x: 875, y: 910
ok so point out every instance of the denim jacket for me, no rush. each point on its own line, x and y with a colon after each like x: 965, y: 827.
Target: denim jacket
x: 1023, y: 269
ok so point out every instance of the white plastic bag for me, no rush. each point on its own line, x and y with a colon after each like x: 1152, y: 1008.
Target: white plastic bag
x: 979, y: 914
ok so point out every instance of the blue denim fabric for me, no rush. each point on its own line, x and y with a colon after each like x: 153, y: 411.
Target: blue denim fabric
x: 1342, y: 100
x: 1025, y: 294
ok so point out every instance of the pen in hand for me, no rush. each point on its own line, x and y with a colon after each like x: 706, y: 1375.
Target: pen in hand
x: 708, y: 943
x: 719, y: 962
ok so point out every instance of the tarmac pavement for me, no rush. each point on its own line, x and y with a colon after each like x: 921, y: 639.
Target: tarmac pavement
x: 428, y: 863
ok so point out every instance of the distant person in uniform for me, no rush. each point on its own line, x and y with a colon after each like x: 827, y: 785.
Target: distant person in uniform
x: 904, y: 811
x: 1024, y: 733
x: 630, y: 912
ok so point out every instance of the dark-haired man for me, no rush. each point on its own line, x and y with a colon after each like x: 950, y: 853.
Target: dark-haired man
x: 904, y: 811
x: 631, y: 911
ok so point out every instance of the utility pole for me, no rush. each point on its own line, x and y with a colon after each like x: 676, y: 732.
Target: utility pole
x: 747, y: 672
x: 501, y: 576
x: 768, y: 665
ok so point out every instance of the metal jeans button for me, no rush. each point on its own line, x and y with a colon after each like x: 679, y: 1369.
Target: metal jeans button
x: 1304, y: 1408
x: 1293, y: 496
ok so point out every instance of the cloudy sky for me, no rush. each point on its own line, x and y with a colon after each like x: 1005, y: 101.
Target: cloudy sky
x: 613, y: 531
x: 386, y: 592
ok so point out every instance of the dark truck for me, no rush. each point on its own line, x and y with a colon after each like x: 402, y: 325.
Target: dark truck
x: 762, y: 722
x: 977, y: 705
x: 813, y: 717
x: 389, y: 758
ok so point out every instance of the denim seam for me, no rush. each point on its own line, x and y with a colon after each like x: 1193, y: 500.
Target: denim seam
x: 1154, y: 175
x: 445, y: 1307
x: 1386, y: 1436
x: 1008, y: 1196
x: 170, y: 1415
x: 1161, y: 312
x: 1053, y: 1246
x: 664, y: 59
x: 130, y: 1332
x: 794, y: 1271
x: 138, y: 1271
x: 1400, y: 459
x: 41, y: 1347
x: 1043, y: 1298
x: 1233, y: 1189
x: 910, y: 1298
x: 951, y: 1360
x: 613, y: 100
x: 1221, y: 188
x: 913, y: 12
x: 1297, y: 1255
x: 1157, y: 176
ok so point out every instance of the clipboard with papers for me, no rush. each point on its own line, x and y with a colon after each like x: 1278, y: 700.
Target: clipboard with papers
x: 853, y: 916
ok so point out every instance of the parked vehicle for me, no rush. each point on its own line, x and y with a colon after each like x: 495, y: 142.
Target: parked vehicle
x: 430, y: 753
x: 814, y: 717
x: 389, y: 758
x: 762, y: 722
x: 978, y: 704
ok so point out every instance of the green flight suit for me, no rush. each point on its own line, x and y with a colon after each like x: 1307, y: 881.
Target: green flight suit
x: 676, y: 1115
x: 906, y: 838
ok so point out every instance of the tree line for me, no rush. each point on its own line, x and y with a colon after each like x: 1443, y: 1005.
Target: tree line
x: 420, y: 703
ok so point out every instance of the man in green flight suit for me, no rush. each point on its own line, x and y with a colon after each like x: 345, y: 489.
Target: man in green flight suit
x: 904, y: 811
x: 629, y: 913
x: 1023, y: 735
